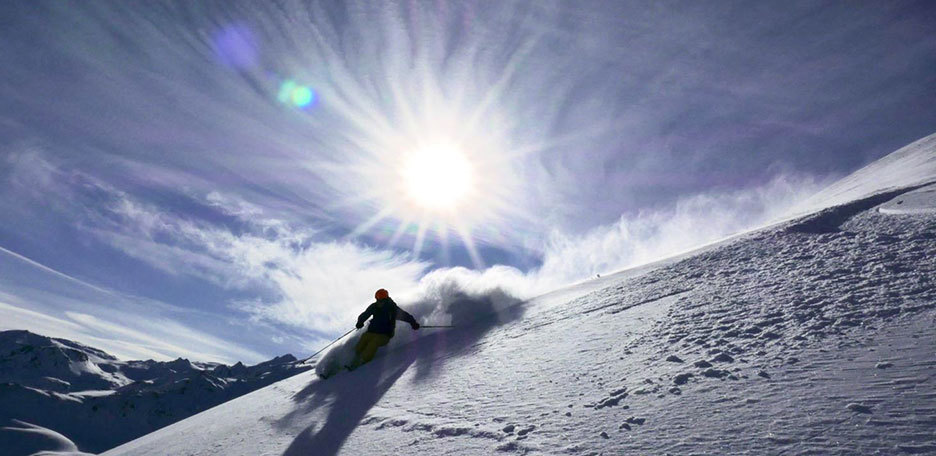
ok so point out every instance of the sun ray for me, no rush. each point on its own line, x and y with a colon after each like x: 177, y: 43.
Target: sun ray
x: 350, y: 101
x: 401, y: 228
x: 357, y: 200
x: 369, y: 223
x: 465, y: 234
x: 557, y: 141
x: 408, y: 117
x: 443, y: 233
x: 420, y: 237
x: 497, y: 89
x: 356, y: 109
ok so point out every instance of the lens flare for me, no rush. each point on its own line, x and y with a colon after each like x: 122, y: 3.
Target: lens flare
x: 302, y: 96
x: 297, y: 95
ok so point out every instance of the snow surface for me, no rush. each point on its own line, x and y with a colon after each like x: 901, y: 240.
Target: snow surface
x: 26, y: 438
x: 922, y: 201
x: 814, y: 336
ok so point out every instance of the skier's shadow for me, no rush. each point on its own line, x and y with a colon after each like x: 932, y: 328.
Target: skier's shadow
x: 355, y: 393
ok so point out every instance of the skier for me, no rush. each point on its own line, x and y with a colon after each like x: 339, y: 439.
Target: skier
x: 381, y: 327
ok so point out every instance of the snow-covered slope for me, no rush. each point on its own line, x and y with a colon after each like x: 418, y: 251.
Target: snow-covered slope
x: 814, y: 336
x: 25, y: 438
x: 911, y: 165
x: 60, y: 395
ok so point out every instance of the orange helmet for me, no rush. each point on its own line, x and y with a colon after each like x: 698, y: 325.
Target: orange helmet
x: 381, y: 294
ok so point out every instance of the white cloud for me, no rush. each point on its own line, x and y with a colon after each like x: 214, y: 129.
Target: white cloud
x: 323, y: 285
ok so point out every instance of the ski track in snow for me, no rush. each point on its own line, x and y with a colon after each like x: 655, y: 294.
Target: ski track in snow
x: 810, y: 337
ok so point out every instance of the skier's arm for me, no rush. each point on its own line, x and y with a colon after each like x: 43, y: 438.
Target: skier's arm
x: 364, y: 316
x: 403, y: 315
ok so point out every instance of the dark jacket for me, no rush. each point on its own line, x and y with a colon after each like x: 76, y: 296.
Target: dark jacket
x: 385, y: 313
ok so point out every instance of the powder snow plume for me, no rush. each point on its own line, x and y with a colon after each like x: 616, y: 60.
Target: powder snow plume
x: 453, y: 297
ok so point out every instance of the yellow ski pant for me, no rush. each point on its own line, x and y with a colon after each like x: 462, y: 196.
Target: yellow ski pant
x: 366, y: 348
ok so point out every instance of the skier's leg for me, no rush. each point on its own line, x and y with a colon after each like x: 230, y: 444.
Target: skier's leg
x: 382, y: 340
x: 362, y: 343
x: 369, y: 350
x: 359, y: 350
x: 375, y: 341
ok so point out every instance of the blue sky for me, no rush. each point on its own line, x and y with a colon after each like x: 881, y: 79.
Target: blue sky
x: 233, y: 180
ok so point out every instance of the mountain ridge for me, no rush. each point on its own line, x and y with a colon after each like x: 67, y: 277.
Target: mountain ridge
x: 98, y: 401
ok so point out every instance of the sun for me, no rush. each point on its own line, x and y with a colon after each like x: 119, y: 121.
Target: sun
x: 447, y: 181
x: 437, y: 177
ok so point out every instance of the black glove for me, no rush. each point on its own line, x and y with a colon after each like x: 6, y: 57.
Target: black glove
x: 414, y: 325
x: 359, y: 325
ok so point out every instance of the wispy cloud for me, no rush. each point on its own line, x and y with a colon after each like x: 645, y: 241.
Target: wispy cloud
x: 136, y: 337
x: 51, y: 271
x: 318, y: 284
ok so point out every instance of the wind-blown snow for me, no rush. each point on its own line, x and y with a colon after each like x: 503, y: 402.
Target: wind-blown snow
x: 813, y: 336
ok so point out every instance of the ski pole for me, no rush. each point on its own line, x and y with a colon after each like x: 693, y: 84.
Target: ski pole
x: 329, y: 345
x: 436, y: 326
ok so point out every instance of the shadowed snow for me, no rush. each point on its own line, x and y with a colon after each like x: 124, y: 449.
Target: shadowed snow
x: 25, y: 438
